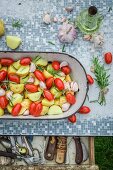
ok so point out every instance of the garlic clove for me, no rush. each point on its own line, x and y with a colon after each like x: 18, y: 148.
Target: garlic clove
x: 87, y: 37
x: 47, y: 19
x: 42, y: 85
x: 31, y: 80
x: 55, y: 19
x: 26, y: 113
x: 63, y: 63
x: 2, y: 92
x: 9, y: 95
x: 65, y: 106
x: 69, y: 9
x: 63, y: 19
x: 74, y: 86
x: 67, y: 86
x: 32, y: 68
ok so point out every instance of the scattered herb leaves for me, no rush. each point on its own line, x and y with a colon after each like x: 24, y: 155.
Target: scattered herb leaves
x: 63, y: 48
x: 16, y: 24
x: 50, y: 42
x: 110, y: 9
x: 40, y: 68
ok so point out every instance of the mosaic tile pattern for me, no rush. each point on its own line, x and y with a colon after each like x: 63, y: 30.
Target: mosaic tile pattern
x: 35, y: 36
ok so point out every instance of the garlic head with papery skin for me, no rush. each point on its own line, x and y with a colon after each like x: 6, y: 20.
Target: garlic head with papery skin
x: 32, y: 68
x: 98, y: 39
x: 47, y: 18
x: 65, y: 106
x: 67, y: 33
x: 2, y: 92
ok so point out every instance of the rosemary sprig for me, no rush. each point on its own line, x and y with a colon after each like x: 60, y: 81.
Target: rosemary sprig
x: 17, y: 24
x: 63, y: 48
x: 102, y: 79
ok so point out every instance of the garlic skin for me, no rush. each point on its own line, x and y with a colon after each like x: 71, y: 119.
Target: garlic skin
x: 2, y: 92
x: 67, y: 33
x: 42, y: 85
x: 26, y: 113
x: 97, y: 39
x: 47, y: 19
x: 32, y: 68
x: 65, y: 106
x: 64, y: 63
x: 87, y: 37
x: 69, y: 9
x: 31, y: 80
x: 9, y: 94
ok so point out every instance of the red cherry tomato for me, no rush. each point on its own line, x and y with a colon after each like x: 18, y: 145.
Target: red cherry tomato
x: 36, y: 109
x: 84, y: 110
x: 56, y: 65
x: 90, y: 79
x: 3, y: 75
x: 108, y: 58
x: 48, y: 95
x: 66, y: 69
x: 49, y: 82
x: 25, y: 61
x: 16, y: 109
x: 39, y: 75
x: 3, y: 102
x: 6, y: 61
x: 31, y: 88
x: 14, y: 78
x: 72, y: 118
x: 70, y: 98
x: 59, y: 84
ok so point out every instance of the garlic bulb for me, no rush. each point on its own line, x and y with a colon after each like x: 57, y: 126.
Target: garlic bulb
x: 26, y: 113
x: 97, y: 39
x: 65, y: 106
x: 47, y: 19
x: 2, y: 92
x: 9, y: 94
x: 74, y: 86
x: 42, y: 85
x: 64, y: 63
x: 31, y: 80
x: 32, y: 68
x: 67, y: 33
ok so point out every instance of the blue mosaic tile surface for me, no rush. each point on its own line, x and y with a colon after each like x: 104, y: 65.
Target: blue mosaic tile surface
x: 35, y: 36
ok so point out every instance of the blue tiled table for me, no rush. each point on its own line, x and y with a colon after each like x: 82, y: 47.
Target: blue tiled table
x: 35, y: 36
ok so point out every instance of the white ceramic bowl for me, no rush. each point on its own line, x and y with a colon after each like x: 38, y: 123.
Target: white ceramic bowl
x: 78, y: 75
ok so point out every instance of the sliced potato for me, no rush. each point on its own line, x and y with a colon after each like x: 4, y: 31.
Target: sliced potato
x: 68, y: 78
x: 57, y: 101
x: 72, y: 92
x: 46, y: 102
x: 16, y: 98
x: 0, y: 66
x: 17, y: 64
x: 13, y: 41
x: 9, y: 108
x: 44, y: 110
x: 16, y: 88
x: 26, y: 103
x: 54, y: 110
x: 42, y: 62
x: 50, y: 68
x: 23, y: 109
x: 34, y: 96
x: 26, y: 94
x: 11, y: 69
x: 47, y: 74
x: 24, y: 79
x: 55, y: 92
x: 1, y: 111
x: 62, y: 78
x: 36, y: 82
x: 23, y: 71
x: 62, y: 100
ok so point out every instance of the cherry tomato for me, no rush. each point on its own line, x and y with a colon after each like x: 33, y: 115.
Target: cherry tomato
x: 84, y: 110
x: 56, y: 65
x: 49, y: 82
x: 72, y: 118
x: 31, y: 88
x: 6, y: 61
x: 90, y: 79
x: 108, y: 58
x: 59, y: 84
x: 39, y: 75
x: 16, y: 109
x: 36, y: 109
x: 3, y: 102
x: 48, y: 95
x: 66, y: 69
x: 25, y: 61
x: 3, y: 87
x: 14, y: 78
x: 3, y: 75
x: 70, y: 98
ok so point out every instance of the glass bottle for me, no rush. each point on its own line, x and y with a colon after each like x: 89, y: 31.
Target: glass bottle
x: 89, y: 20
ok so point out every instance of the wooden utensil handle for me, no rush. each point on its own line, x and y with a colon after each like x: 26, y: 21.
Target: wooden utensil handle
x: 79, y: 151
x: 7, y: 154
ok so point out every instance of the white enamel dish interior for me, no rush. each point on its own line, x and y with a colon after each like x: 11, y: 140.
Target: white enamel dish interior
x: 78, y: 75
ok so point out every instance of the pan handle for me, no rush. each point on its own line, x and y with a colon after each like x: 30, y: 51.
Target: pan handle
x: 8, y: 154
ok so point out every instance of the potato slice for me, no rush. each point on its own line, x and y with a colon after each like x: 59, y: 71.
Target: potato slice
x: 1, y: 111
x: 26, y: 103
x: 11, y: 69
x: 34, y: 96
x: 9, y: 108
x: 36, y: 82
x: 57, y: 101
x: 55, y: 92
x: 68, y: 78
x: 62, y: 78
x: 23, y: 71
x: 48, y: 103
x: 17, y: 64
x: 23, y: 109
x: 16, y: 88
x: 13, y: 41
x: 42, y: 62
x: 24, y: 79
x: 16, y: 98
x: 44, y: 110
x: 47, y: 74
x: 62, y: 100
x: 54, y: 110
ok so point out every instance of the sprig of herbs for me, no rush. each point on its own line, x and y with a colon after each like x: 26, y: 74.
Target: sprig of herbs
x: 63, y: 48
x: 102, y: 79
x: 17, y: 24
